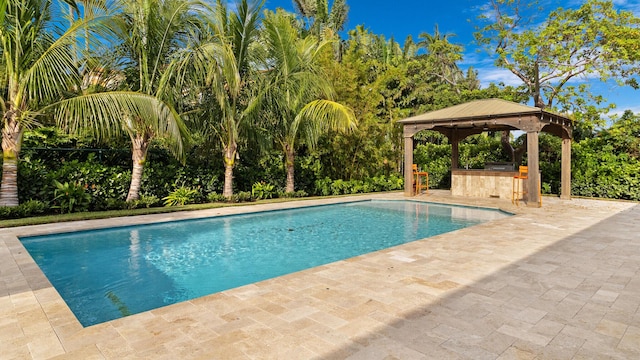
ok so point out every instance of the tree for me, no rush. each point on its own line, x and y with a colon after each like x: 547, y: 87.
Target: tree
x: 38, y: 69
x: 443, y: 55
x: 151, y: 32
x: 220, y: 66
x: 318, y: 17
x: 555, y: 58
x: 298, y: 95
x: 232, y: 76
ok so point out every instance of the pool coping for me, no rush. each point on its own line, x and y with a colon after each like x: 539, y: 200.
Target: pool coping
x: 263, y: 318
x: 253, y: 211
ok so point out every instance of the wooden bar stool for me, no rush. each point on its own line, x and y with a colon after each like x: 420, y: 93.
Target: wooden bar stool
x: 518, y: 191
x: 418, y: 176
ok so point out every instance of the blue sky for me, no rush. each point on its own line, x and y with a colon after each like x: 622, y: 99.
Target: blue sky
x: 399, y: 18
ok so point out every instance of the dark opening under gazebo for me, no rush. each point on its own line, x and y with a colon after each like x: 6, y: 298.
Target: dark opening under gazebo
x: 460, y: 121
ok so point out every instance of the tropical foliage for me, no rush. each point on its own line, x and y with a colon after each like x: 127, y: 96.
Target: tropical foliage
x: 132, y: 103
x: 595, y: 39
x: 297, y: 96
x: 42, y: 76
x: 38, y: 67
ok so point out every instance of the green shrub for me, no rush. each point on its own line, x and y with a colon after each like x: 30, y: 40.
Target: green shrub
x: 146, y: 201
x: 116, y: 204
x: 215, y: 197
x: 395, y: 182
x: 181, y: 196
x: 34, y: 180
x: 7, y: 212
x: 33, y: 208
x: 294, y: 194
x: 339, y: 187
x: 262, y: 190
x: 598, y: 170
x: 323, y: 186
x: 327, y: 186
x: 114, y: 184
x: 26, y: 209
x: 242, y: 196
x: 70, y: 197
x: 163, y: 173
x: 102, y: 182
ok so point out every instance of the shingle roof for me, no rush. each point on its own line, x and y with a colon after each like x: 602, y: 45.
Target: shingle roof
x: 475, y: 109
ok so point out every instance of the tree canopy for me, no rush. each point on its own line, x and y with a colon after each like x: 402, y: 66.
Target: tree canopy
x: 555, y: 59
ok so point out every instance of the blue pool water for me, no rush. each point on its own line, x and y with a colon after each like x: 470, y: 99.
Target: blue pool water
x: 111, y: 273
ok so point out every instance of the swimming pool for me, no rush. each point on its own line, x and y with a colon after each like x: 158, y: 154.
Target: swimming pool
x: 111, y: 273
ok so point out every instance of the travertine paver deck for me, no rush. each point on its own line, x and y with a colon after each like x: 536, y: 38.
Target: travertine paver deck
x: 560, y: 282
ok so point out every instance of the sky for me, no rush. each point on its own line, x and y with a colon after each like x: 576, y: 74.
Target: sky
x: 400, y: 18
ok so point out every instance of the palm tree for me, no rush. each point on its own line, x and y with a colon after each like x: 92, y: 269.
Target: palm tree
x: 444, y: 55
x: 221, y: 66
x: 298, y: 94
x: 152, y: 31
x: 319, y: 17
x: 237, y: 33
x: 37, y: 68
x: 40, y: 69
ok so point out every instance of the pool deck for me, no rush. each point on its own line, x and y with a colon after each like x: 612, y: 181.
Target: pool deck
x: 558, y: 282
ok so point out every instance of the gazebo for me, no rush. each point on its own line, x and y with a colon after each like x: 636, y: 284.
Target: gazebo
x: 475, y: 117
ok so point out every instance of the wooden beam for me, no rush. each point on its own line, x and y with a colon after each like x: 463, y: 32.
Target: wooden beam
x: 455, y: 153
x: 409, y: 130
x: 408, y: 162
x: 565, y: 175
x: 533, y: 162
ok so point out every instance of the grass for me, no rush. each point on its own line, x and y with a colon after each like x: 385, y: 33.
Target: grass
x: 48, y: 219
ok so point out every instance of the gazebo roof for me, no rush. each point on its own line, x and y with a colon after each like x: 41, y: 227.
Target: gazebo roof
x: 490, y: 114
x: 478, y: 108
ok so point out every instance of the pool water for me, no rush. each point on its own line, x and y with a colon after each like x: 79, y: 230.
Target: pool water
x: 111, y: 273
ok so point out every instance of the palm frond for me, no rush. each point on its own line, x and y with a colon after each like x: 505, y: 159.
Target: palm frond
x: 244, y: 29
x: 3, y: 10
x: 107, y: 114
x: 320, y: 116
x: 176, y: 17
x: 54, y: 71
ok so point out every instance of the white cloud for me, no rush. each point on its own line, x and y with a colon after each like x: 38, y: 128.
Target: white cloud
x: 621, y: 109
x: 477, y: 59
x: 495, y: 75
x: 485, y: 11
x: 629, y: 5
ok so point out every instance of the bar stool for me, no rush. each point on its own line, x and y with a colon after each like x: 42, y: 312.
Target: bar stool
x: 516, y: 190
x: 523, y: 174
x: 417, y: 177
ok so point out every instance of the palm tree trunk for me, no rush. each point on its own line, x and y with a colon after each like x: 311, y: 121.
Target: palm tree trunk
x: 140, y: 145
x: 9, y: 189
x: 11, y: 143
x: 290, y: 154
x: 229, y: 162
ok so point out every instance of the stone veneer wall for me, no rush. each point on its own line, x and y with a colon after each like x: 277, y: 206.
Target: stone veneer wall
x: 483, y: 183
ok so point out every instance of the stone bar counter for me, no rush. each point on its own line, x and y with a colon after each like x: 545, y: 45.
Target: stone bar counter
x: 495, y: 181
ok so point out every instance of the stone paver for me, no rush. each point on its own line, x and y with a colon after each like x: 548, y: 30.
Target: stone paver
x: 559, y: 282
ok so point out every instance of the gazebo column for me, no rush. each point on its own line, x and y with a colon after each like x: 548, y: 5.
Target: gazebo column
x: 408, y: 170
x: 533, y: 162
x: 455, y: 152
x: 565, y: 176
